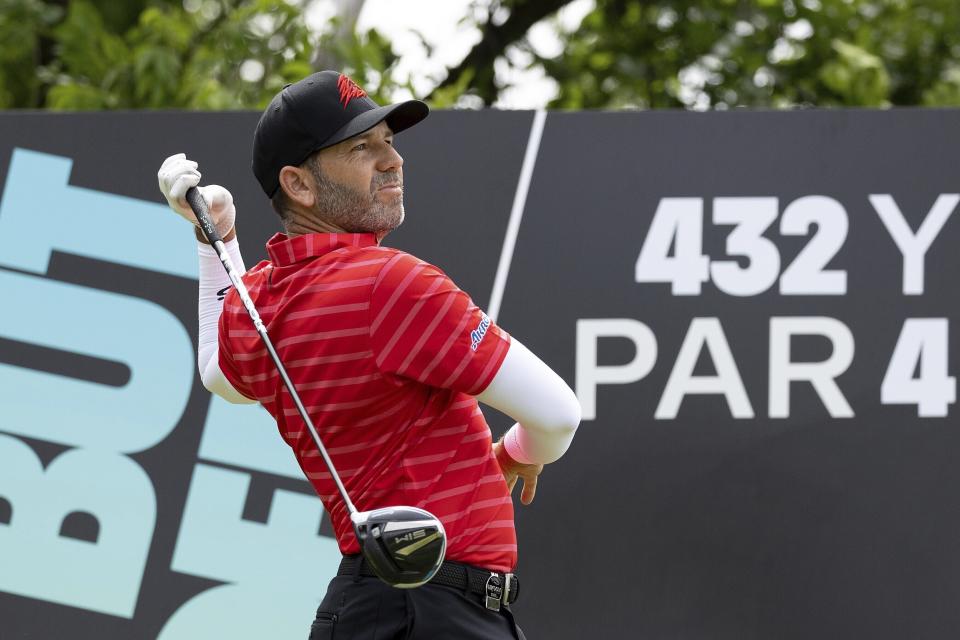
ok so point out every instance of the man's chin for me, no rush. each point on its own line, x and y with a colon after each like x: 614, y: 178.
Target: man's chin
x: 395, y: 218
x: 395, y: 222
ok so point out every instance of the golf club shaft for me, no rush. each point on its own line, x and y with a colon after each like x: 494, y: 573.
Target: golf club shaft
x: 199, y: 207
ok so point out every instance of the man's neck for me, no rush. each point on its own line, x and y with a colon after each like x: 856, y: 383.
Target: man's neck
x: 298, y: 225
x: 301, y: 225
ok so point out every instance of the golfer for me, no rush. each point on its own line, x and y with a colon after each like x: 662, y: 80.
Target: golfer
x: 389, y: 356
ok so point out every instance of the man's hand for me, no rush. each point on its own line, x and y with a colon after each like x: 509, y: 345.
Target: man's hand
x: 513, y: 470
x: 176, y: 175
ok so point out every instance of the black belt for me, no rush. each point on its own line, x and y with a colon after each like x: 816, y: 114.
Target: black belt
x: 494, y: 588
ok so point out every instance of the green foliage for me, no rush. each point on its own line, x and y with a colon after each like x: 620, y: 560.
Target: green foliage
x: 217, y: 55
x: 946, y: 91
x: 22, y: 22
x: 446, y: 97
x: 236, y: 54
x: 97, y: 63
x: 762, y: 53
x: 196, y: 54
x: 856, y: 75
x: 369, y: 59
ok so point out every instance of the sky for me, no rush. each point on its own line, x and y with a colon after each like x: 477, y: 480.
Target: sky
x: 438, y: 22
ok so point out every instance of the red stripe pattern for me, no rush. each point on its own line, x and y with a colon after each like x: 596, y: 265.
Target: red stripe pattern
x: 387, y: 354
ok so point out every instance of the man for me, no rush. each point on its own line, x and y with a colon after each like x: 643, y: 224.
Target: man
x: 389, y: 356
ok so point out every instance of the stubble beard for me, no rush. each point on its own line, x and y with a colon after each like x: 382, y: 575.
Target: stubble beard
x: 356, y: 211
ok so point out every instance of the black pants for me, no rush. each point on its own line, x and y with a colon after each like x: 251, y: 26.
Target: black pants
x: 364, y: 608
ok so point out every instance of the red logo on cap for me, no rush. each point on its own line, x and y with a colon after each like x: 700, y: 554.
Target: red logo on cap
x: 349, y: 90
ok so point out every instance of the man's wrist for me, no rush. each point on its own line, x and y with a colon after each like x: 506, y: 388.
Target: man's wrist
x: 511, y: 447
x: 503, y: 458
x: 202, y: 238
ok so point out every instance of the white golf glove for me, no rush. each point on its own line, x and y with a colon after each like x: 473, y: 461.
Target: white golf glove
x: 176, y: 175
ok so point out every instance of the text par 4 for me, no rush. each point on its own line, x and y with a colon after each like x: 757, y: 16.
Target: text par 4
x: 917, y: 371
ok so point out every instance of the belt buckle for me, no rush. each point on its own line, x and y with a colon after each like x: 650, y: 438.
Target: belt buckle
x: 496, y: 592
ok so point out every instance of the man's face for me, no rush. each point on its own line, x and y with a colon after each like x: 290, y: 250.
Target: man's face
x: 360, y: 183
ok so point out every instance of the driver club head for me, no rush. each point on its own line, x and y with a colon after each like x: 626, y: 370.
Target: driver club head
x: 404, y: 546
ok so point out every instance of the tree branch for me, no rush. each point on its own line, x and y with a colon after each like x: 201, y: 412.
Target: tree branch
x: 494, y: 41
x: 348, y: 11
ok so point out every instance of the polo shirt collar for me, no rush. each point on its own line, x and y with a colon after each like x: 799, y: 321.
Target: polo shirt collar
x: 284, y: 250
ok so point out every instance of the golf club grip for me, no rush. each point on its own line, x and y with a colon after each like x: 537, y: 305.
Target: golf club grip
x: 199, y: 206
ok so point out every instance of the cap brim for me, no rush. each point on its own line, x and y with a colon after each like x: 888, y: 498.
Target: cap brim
x: 400, y: 116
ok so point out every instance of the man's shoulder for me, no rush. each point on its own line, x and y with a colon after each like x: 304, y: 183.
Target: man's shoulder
x: 256, y: 274
x: 252, y: 279
x: 373, y: 261
x: 258, y: 269
x: 388, y: 252
x: 398, y: 264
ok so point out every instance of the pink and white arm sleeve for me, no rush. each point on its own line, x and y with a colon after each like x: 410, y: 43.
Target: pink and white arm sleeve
x: 214, y: 279
x: 546, y: 409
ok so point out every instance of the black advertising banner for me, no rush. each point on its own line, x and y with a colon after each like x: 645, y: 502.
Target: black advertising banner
x: 755, y: 308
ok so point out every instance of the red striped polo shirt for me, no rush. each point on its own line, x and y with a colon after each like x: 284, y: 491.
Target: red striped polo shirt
x: 386, y: 353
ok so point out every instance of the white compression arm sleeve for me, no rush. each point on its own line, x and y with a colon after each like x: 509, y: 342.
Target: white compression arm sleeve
x: 214, y: 279
x: 545, y: 408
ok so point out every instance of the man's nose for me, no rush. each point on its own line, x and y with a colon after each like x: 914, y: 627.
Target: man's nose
x: 390, y: 159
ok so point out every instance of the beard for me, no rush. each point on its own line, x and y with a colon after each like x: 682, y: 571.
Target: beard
x: 357, y: 211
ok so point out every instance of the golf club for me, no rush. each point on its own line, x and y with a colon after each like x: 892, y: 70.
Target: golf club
x: 404, y: 546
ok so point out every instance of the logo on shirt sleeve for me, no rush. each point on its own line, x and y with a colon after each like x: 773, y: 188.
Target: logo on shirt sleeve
x: 476, y: 336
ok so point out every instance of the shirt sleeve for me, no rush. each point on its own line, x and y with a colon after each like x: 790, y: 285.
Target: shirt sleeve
x: 546, y: 409
x: 423, y: 327
x: 225, y: 356
x: 213, y: 283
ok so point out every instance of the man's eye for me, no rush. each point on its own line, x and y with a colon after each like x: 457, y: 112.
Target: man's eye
x: 360, y: 147
x: 389, y: 141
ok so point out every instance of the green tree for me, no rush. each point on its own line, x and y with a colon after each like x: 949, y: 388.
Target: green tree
x: 195, y: 54
x: 725, y: 53
x: 231, y: 54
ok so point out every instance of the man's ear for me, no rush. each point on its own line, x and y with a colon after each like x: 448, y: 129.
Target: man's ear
x: 295, y: 183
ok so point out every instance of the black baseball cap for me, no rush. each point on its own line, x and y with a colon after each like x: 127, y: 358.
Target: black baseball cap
x: 318, y: 112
